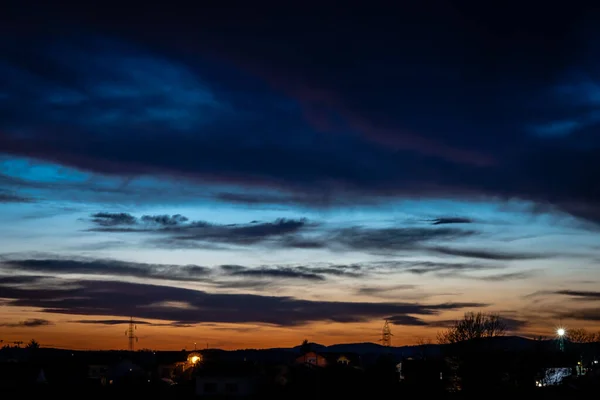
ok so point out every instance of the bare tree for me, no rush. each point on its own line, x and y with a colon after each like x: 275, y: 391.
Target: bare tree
x: 582, y: 336
x: 473, y: 326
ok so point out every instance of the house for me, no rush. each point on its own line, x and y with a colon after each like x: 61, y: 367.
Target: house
x: 226, y: 386
x: 20, y: 377
x: 343, y: 360
x: 98, y: 373
x: 227, y: 381
x: 126, y: 373
x: 312, y: 358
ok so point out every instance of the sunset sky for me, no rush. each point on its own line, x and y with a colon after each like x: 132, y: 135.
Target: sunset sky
x: 250, y: 177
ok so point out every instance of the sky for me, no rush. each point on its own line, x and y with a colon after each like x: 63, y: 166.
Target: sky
x: 251, y: 176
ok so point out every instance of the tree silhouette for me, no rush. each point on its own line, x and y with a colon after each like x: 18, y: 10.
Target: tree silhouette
x: 473, y: 326
x: 582, y: 336
x: 468, y: 356
x: 305, y: 347
x: 33, y: 344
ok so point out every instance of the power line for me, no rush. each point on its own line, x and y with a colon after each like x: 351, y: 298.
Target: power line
x: 386, y: 334
x: 130, y: 333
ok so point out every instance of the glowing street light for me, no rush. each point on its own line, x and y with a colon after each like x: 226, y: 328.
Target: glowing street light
x: 561, y: 332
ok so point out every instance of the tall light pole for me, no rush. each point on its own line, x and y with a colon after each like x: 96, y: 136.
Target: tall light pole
x: 561, y: 332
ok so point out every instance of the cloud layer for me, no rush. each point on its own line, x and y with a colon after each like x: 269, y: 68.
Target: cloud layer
x: 199, y: 119
x: 121, y: 299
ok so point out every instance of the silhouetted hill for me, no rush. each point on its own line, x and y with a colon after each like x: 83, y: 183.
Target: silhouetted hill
x: 366, y: 350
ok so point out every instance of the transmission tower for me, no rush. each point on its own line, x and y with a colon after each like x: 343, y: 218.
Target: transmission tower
x: 130, y: 333
x: 386, y: 334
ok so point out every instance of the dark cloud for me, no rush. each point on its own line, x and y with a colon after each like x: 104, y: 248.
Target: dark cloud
x: 349, y: 271
x: 123, y: 221
x: 302, y: 272
x: 224, y: 276
x: 108, y: 267
x: 231, y: 268
x: 488, y: 254
x: 122, y: 299
x: 586, y: 314
x: 165, y: 220
x: 358, y: 124
x: 179, y: 229
x: 580, y: 294
x: 110, y: 322
x: 253, y: 199
x: 288, y: 233
x: 113, y: 219
x: 407, y: 320
x: 390, y: 239
x: 299, y: 242
x: 451, y: 220
x: 126, y: 321
x: 256, y: 284
x: 13, y: 198
x: 28, y: 323
x: 285, y: 273
x: 509, y: 276
x: 383, y: 290
x: 425, y: 267
x: 19, y: 279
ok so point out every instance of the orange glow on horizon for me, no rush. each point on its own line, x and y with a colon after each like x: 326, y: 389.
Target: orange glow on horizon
x: 63, y: 332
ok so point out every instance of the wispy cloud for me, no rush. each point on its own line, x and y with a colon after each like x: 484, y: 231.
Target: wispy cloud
x: 28, y: 323
x: 178, y: 228
x: 383, y: 290
x: 13, y: 198
x: 113, y: 219
x: 488, y: 254
x: 283, y: 233
x: 110, y: 322
x: 425, y: 267
x: 388, y: 239
x: 407, y: 320
x: 451, y: 220
x: 579, y: 294
x: 290, y: 273
x: 107, y: 267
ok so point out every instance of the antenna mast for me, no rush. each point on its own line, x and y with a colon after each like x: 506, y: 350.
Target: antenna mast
x: 386, y: 334
x: 130, y: 333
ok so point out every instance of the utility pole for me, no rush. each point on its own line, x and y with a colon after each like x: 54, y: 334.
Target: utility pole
x: 386, y: 334
x: 130, y: 333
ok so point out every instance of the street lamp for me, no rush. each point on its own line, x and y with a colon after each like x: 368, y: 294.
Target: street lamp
x: 561, y: 332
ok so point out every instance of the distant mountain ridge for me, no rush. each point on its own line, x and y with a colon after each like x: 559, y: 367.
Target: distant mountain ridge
x: 509, y: 343
x: 501, y: 342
